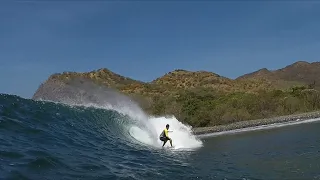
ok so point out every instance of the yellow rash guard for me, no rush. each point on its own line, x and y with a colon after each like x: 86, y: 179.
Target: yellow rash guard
x: 165, y: 133
x: 165, y: 137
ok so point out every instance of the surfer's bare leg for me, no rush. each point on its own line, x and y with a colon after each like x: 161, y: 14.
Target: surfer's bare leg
x: 171, y: 142
x: 164, y: 142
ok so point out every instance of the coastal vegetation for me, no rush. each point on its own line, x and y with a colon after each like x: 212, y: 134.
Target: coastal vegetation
x: 207, y: 99
x: 204, y: 107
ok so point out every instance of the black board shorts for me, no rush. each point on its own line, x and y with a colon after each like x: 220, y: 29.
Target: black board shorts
x: 164, y: 139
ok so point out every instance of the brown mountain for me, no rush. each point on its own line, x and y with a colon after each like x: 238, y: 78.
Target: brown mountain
x: 297, y: 73
x: 104, y: 75
x: 182, y: 79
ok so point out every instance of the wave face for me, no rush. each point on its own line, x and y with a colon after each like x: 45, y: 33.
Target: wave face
x: 72, y: 139
x: 75, y: 140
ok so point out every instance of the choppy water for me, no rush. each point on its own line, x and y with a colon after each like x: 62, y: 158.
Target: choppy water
x: 46, y: 140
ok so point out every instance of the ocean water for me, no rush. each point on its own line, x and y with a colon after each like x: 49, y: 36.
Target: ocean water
x: 48, y: 140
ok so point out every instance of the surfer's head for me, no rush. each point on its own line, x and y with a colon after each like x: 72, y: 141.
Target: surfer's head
x: 167, y: 126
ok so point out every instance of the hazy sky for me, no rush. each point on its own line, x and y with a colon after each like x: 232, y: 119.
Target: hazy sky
x: 145, y: 40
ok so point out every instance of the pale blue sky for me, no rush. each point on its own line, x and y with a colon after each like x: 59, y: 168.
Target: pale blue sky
x: 145, y: 40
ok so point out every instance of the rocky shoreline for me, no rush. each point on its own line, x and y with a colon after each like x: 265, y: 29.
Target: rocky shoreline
x: 257, y: 122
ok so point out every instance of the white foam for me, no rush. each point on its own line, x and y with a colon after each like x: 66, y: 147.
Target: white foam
x: 141, y: 135
x: 149, y: 128
x: 182, y: 137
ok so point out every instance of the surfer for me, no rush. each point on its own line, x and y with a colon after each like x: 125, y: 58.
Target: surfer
x: 165, y: 137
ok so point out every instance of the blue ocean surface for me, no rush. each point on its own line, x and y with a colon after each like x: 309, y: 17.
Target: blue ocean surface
x: 48, y: 140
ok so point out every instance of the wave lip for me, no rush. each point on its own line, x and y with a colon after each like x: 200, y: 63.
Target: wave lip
x: 138, y: 125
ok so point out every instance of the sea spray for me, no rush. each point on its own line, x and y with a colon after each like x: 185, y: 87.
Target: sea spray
x: 141, y: 127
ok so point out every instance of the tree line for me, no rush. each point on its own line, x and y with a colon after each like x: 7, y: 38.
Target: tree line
x: 202, y: 107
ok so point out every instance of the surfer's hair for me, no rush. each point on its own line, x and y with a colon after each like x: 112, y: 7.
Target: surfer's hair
x: 167, y: 125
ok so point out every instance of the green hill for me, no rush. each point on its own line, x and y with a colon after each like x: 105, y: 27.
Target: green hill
x: 204, y: 98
